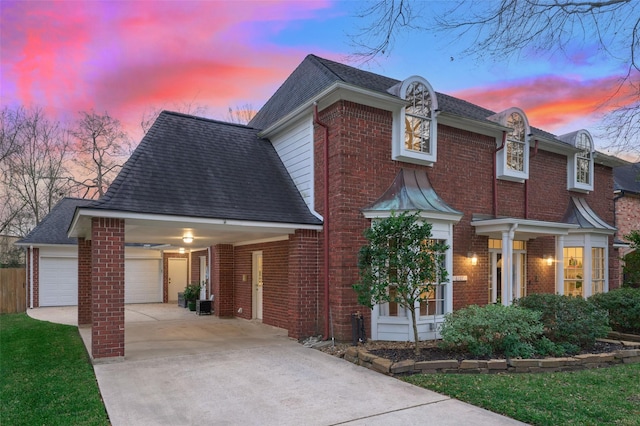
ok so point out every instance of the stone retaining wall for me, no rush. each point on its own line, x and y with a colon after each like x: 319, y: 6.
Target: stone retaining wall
x: 361, y: 357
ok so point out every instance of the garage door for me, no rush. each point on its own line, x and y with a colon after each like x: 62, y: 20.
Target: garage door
x: 58, y: 281
x: 142, y: 281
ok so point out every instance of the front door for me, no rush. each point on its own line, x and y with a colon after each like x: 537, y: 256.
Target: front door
x: 497, y: 292
x: 257, y: 284
x: 204, y: 277
x: 177, y: 277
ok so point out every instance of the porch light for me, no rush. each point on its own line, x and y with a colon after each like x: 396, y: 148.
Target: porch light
x: 181, y: 250
x: 473, y: 257
x: 548, y: 260
x: 188, y: 238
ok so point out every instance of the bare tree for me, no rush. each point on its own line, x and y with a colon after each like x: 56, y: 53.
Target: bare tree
x: 101, y: 149
x: 241, y: 114
x: 511, y: 28
x: 34, y: 177
x: 10, y: 124
x: 190, y: 108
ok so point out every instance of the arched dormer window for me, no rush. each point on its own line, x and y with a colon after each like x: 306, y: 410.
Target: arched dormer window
x: 513, y: 158
x: 580, y: 164
x: 516, y: 142
x: 415, y: 126
x: 417, y: 118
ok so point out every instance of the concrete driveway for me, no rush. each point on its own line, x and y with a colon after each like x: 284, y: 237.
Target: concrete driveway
x: 181, y: 369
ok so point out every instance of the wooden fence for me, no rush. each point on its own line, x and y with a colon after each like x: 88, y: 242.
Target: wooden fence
x: 13, y: 294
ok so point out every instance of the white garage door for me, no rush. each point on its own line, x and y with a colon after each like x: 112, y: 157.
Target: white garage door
x: 142, y: 281
x: 58, y: 281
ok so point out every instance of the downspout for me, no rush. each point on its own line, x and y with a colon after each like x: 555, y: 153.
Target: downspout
x: 526, y: 186
x: 30, y: 279
x: 316, y: 120
x: 495, y: 174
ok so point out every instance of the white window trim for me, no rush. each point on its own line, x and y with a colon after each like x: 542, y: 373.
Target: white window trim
x: 503, y: 171
x: 398, y: 151
x: 572, y: 165
x: 429, y: 325
x: 586, y: 241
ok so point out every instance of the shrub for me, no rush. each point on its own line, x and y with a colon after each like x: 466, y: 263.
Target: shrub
x: 571, y: 322
x: 492, y: 329
x: 623, y: 306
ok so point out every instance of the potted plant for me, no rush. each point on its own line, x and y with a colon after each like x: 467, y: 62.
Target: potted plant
x: 191, y: 293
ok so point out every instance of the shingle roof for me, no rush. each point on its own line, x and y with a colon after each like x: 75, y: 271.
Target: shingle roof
x: 191, y: 166
x: 53, y: 228
x: 315, y: 74
x: 627, y: 178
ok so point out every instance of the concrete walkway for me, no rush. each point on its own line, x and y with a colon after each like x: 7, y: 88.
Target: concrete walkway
x: 181, y: 369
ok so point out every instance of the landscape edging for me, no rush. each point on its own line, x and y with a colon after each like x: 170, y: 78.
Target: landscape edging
x: 360, y: 356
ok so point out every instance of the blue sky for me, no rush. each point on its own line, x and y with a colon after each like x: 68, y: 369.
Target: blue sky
x: 128, y: 57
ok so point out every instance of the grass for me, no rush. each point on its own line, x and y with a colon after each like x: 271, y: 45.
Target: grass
x: 46, y: 377
x: 589, y: 397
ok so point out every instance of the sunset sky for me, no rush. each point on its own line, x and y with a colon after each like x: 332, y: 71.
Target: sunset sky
x: 129, y: 57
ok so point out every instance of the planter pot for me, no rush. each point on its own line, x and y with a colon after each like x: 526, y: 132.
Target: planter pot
x: 192, y: 305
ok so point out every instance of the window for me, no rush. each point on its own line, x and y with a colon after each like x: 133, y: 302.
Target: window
x: 580, y: 164
x: 516, y: 143
x: 583, y: 162
x: 513, y: 158
x: 415, y: 127
x: 573, y: 271
x: 417, y: 118
x: 597, y: 270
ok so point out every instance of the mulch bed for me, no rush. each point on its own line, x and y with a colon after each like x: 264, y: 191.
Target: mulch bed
x: 400, y: 351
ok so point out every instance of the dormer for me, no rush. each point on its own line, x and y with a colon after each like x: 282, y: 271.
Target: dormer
x: 513, y: 159
x: 580, y: 164
x: 415, y: 126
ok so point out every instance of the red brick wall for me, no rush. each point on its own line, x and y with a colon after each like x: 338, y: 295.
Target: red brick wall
x: 222, y: 270
x: 306, y: 286
x: 275, y: 288
x: 627, y: 219
x: 107, y: 280
x: 84, y: 282
x: 361, y: 169
x: 36, y: 276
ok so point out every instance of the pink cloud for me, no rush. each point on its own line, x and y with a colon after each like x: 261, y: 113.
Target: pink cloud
x: 550, y: 102
x: 128, y: 56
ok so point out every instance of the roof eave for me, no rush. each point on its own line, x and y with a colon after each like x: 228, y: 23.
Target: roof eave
x: 335, y: 92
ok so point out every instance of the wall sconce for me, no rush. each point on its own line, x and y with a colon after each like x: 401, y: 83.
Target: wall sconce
x: 548, y: 260
x: 188, y: 238
x: 181, y: 250
x: 473, y: 257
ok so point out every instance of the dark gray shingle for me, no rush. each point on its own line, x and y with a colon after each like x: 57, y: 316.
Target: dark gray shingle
x: 190, y: 166
x: 53, y: 228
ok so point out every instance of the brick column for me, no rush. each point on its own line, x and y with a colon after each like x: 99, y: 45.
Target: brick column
x: 107, y: 281
x: 84, y: 282
x: 305, y: 285
x: 222, y: 279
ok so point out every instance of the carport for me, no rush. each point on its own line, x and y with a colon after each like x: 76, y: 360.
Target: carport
x: 198, y: 184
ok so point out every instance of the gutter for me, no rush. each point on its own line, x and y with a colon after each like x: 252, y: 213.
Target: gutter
x: 316, y: 120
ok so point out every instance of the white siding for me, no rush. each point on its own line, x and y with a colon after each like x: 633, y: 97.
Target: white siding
x: 295, y: 148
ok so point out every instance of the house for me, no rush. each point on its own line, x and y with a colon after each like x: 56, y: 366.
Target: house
x: 276, y: 210
x: 627, y: 203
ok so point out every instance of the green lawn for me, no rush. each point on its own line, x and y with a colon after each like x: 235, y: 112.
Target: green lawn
x: 46, y: 377
x: 607, y: 396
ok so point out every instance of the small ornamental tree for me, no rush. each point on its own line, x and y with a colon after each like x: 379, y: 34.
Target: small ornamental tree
x: 401, y: 264
x: 631, y: 269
